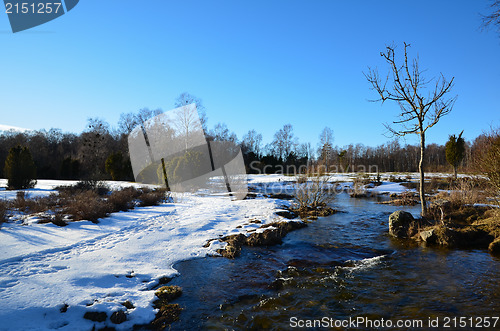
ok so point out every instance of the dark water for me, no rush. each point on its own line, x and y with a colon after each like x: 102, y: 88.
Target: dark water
x: 343, y: 266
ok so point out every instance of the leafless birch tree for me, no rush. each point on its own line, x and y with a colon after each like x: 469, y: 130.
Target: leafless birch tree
x: 422, y: 102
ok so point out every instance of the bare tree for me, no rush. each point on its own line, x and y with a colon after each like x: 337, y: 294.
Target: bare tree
x: 128, y: 121
x: 493, y: 19
x: 420, y: 110
x: 188, y: 125
x: 222, y: 133
x: 185, y: 99
x: 325, y: 150
x: 252, y: 141
x: 284, y: 142
x: 305, y: 150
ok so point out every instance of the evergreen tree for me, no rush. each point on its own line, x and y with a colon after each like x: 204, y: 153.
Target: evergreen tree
x: 114, y: 165
x: 455, y: 151
x: 19, y: 169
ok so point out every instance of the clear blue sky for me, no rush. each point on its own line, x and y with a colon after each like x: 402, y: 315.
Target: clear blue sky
x: 255, y: 64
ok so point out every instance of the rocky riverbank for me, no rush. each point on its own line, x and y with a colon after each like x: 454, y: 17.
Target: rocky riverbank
x: 272, y: 235
x: 479, y: 227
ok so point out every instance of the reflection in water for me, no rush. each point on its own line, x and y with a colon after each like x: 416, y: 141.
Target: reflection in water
x: 341, y: 266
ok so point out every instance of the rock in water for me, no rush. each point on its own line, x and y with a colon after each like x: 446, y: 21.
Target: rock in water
x: 428, y: 236
x: 399, y: 223
x: 118, y: 317
x: 494, y: 247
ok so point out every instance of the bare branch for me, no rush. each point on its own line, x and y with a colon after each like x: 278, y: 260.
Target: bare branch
x: 493, y: 19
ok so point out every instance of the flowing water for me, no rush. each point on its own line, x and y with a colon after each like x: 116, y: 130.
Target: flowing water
x: 340, y: 267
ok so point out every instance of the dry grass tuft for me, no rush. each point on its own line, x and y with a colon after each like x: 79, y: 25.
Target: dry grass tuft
x: 3, y: 212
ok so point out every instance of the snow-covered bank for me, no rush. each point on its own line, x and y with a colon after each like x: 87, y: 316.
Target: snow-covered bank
x: 96, y: 267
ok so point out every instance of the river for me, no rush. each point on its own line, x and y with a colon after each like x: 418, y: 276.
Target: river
x: 340, y: 267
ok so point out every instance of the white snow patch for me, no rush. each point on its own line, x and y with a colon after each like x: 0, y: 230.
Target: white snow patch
x: 96, y: 267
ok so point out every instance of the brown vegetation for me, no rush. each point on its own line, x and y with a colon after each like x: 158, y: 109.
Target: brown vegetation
x: 3, y: 212
x: 87, y: 205
x: 270, y: 236
x: 150, y: 197
x: 168, y: 312
x: 488, y: 162
x: 312, y: 197
x: 82, y: 202
x: 407, y: 198
x: 461, y: 224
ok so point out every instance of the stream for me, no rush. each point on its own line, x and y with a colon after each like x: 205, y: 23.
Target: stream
x: 340, y: 267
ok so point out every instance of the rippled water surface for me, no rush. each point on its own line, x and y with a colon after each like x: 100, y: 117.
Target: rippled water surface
x: 341, y: 266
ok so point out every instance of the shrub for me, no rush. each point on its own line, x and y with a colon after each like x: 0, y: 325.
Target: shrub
x: 87, y: 205
x: 181, y: 169
x: 19, y: 202
x: 313, y: 194
x: 56, y: 219
x: 33, y: 205
x: 150, y: 197
x: 465, y: 192
x: 488, y: 162
x: 439, y: 184
x: 20, y: 169
x: 123, y: 199
x: 116, y: 166
x: 301, y: 179
x: 3, y: 212
x: 406, y: 198
x: 98, y: 186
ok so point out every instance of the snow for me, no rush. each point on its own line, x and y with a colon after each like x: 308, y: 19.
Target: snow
x: 389, y: 188
x: 4, y: 127
x: 95, y: 267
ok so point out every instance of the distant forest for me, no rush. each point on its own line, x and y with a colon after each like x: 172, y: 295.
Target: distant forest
x: 102, y: 151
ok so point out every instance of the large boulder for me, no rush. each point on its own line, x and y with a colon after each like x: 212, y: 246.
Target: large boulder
x: 494, y: 247
x: 399, y: 223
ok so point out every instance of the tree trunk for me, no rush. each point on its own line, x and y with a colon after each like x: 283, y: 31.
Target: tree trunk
x: 421, y: 170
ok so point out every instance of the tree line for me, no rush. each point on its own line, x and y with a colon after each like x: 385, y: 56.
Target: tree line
x: 101, y: 151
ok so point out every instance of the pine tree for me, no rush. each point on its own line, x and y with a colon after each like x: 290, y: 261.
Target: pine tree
x: 455, y: 151
x: 20, y: 170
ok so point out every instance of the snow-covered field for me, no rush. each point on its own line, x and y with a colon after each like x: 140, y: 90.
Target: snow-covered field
x: 96, y: 267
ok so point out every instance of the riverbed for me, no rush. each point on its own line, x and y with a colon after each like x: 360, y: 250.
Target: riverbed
x: 339, y: 267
